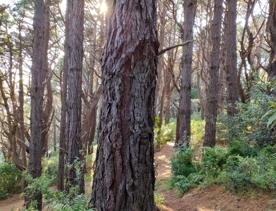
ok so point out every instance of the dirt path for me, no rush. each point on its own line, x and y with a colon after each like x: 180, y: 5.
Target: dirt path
x: 13, y: 203
x: 214, y: 198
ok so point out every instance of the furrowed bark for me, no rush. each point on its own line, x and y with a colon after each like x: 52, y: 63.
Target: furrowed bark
x: 39, y: 70
x: 75, y: 58
x: 124, y: 176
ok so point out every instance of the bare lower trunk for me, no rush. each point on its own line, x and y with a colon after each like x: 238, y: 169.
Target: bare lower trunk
x: 39, y: 69
x: 184, y: 112
x: 124, y: 176
x: 21, y: 101
x: 212, y: 87
x: 63, y: 138
x: 75, y: 57
x: 231, y: 56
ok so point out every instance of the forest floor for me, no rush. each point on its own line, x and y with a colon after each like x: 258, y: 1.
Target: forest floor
x: 214, y: 198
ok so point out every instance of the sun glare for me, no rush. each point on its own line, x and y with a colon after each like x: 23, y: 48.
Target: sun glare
x: 103, y: 7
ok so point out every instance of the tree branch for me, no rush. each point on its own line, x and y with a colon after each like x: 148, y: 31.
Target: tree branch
x: 174, y: 46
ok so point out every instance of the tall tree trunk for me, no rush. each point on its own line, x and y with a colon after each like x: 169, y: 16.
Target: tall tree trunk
x: 212, y: 87
x: 184, y: 112
x: 124, y: 176
x: 39, y: 70
x: 231, y: 70
x: 161, y: 63
x: 63, y: 137
x: 75, y: 58
x: 272, y: 31
x: 48, y: 98
x: 21, y: 99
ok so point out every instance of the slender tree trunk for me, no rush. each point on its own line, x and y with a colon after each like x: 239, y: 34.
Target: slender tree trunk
x: 48, y: 98
x: 161, y: 63
x: 55, y: 134
x: 63, y: 137
x: 231, y: 70
x: 21, y: 101
x: 124, y: 176
x: 212, y: 87
x: 75, y: 58
x: 39, y: 69
x: 272, y: 31
x: 167, y: 92
x: 184, y: 112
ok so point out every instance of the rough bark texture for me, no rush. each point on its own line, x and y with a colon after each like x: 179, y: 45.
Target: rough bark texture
x: 75, y: 58
x: 63, y: 135
x: 231, y: 56
x: 39, y: 69
x: 184, y: 112
x: 212, y: 87
x: 272, y: 31
x: 124, y: 177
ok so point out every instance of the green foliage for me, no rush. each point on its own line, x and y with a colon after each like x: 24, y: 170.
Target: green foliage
x: 237, y: 173
x: 253, y: 119
x: 242, y: 148
x: 50, y: 167
x: 55, y: 200
x: 182, y: 163
x: 197, y: 130
x: 163, y: 133
x: 185, y: 183
x: 240, y: 167
x: 159, y: 199
x: 60, y: 201
x: 166, y: 133
x: 271, y: 115
x: 10, y: 180
x: 243, y: 173
x: 213, y: 161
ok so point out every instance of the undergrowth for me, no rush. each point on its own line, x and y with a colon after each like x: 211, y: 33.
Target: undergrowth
x: 241, y: 167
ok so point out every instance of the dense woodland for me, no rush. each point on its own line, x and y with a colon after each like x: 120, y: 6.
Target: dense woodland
x: 128, y: 105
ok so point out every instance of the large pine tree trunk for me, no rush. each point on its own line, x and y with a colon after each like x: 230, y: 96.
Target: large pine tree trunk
x: 184, y: 112
x: 124, y: 177
x: 272, y: 31
x: 212, y: 87
x: 39, y: 70
x: 75, y: 58
x: 230, y: 41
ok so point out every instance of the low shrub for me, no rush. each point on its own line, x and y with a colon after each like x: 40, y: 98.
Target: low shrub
x: 242, y: 148
x: 60, y: 201
x: 213, y: 161
x: 50, y: 167
x: 240, y: 167
x: 185, y: 183
x: 55, y: 200
x: 10, y: 179
x: 254, y: 121
x: 182, y: 163
x: 237, y: 173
